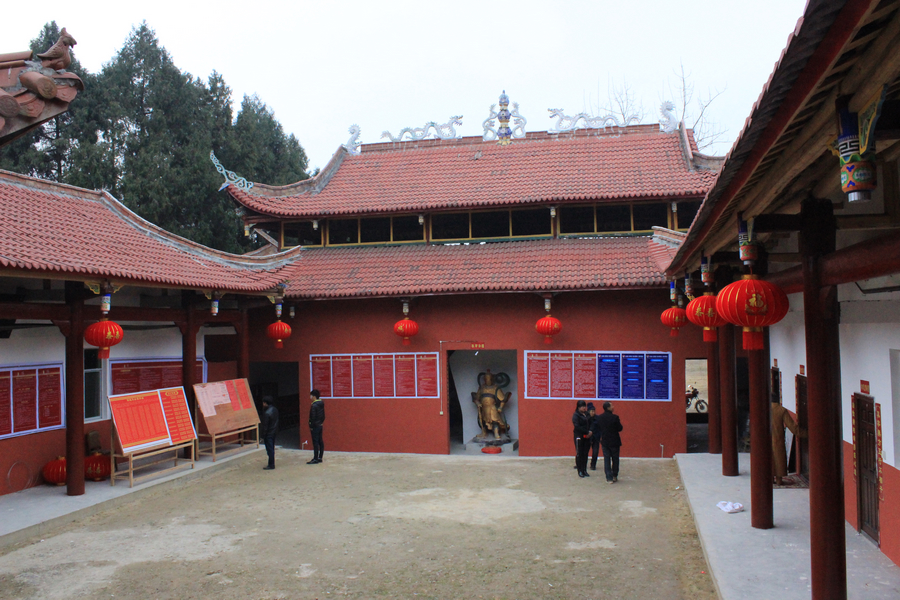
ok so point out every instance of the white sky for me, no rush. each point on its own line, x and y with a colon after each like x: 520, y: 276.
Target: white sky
x: 385, y: 65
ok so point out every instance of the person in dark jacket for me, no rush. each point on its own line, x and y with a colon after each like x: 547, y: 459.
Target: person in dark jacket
x: 595, y: 435
x: 582, y: 433
x: 316, y: 421
x: 269, y: 428
x: 609, y: 426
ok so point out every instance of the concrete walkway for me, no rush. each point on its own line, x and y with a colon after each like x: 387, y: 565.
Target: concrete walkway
x: 748, y: 563
x: 745, y: 563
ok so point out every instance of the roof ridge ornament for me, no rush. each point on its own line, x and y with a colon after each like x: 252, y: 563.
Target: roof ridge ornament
x: 669, y: 121
x: 445, y: 131
x: 353, y: 143
x: 567, y: 123
x: 503, y: 133
x: 231, y: 178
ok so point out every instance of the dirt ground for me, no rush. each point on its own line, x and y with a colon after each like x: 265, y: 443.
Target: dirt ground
x: 381, y: 526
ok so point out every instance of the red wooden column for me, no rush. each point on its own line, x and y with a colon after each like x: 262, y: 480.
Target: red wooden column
x: 713, y: 411
x: 189, y: 329
x: 728, y: 404
x: 761, y: 505
x: 74, y: 333
x: 826, y: 493
x: 243, y: 332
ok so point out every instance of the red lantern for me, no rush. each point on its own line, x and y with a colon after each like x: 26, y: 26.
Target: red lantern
x: 279, y: 331
x: 96, y: 467
x: 103, y: 334
x: 753, y: 304
x: 702, y: 312
x: 675, y: 318
x: 406, y: 328
x: 54, y: 472
x: 547, y: 327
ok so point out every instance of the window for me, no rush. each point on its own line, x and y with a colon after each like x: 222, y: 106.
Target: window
x: 377, y: 229
x: 408, y: 229
x: 493, y: 224
x: 576, y: 219
x: 300, y: 234
x: 343, y: 231
x: 686, y: 212
x: 93, y: 385
x: 647, y: 216
x: 450, y: 226
x: 531, y: 222
x: 614, y: 218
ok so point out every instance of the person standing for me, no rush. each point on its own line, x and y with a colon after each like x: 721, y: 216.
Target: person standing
x: 595, y: 435
x: 609, y: 426
x: 781, y: 418
x: 269, y: 427
x: 316, y: 421
x: 582, y: 432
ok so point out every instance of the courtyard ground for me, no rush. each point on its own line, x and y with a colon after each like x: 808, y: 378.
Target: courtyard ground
x: 380, y: 526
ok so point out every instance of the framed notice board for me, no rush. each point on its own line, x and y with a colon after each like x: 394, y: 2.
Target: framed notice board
x: 155, y: 418
x: 226, y: 405
x: 31, y: 399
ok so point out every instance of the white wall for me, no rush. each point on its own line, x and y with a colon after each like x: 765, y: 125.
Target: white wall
x: 787, y: 344
x: 466, y: 366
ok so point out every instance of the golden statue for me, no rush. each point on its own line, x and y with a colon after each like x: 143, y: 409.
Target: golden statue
x: 490, y: 400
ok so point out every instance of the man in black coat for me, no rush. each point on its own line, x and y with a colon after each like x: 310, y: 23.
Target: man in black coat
x: 582, y: 433
x: 269, y: 427
x: 609, y: 426
x: 595, y: 435
x: 316, y: 422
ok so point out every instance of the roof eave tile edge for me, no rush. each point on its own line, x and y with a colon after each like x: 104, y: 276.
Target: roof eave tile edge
x: 313, y: 185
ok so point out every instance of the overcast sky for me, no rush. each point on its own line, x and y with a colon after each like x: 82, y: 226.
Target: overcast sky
x: 385, y: 65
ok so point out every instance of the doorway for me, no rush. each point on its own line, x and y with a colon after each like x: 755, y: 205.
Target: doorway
x: 281, y: 381
x: 464, y: 367
x: 866, y: 465
x: 803, y: 423
x: 696, y: 395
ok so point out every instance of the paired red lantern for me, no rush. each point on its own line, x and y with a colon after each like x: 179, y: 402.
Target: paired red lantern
x: 54, y: 472
x: 702, y: 312
x: 548, y: 327
x: 753, y: 304
x: 96, y: 467
x: 104, y: 334
x: 675, y: 318
x: 406, y: 328
x: 279, y: 331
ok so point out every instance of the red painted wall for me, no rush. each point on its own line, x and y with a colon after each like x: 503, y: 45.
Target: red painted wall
x: 609, y: 320
x: 851, y: 510
x: 23, y: 457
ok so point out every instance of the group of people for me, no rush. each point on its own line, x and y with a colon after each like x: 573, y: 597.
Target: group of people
x: 269, y: 427
x: 593, y: 431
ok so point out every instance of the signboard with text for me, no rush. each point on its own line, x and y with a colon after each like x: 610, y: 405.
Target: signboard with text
x: 132, y: 376
x: 31, y: 399
x: 598, y: 375
x: 397, y: 375
x: 226, y: 405
x: 152, y: 418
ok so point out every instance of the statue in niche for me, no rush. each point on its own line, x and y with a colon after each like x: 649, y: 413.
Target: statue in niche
x: 490, y: 400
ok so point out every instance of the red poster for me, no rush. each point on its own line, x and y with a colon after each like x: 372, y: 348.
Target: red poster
x: 133, y: 377
x: 125, y: 378
x: 5, y: 403
x: 427, y: 375
x: 150, y: 376
x: 50, y: 396
x: 561, y: 375
x: 175, y: 407
x: 362, y: 377
x: 405, y: 368
x: 243, y: 391
x: 384, y: 375
x: 139, y: 420
x: 342, y: 375
x: 321, y: 374
x: 233, y: 395
x: 538, y: 374
x: 585, y: 375
x: 24, y: 395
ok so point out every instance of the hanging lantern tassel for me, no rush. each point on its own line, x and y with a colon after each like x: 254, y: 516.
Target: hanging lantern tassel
x: 675, y: 318
x: 548, y: 327
x: 752, y: 304
x: 406, y: 328
x: 702, y: 312
x: 279, y: 331
x: 104, y: 334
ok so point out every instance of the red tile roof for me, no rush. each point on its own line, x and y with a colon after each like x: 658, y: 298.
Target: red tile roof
x: 54, y: 228
x: 638, y: 163
x: 520, y: 266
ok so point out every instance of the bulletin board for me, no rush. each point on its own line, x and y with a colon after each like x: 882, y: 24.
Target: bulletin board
x: 226, y: 406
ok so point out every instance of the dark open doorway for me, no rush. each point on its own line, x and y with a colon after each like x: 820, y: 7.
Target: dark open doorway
x: 280, y: 380
x: 696, y: 396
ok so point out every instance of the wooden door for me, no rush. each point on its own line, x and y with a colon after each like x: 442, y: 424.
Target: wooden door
x: 866, y: 465
x: 803, y: 423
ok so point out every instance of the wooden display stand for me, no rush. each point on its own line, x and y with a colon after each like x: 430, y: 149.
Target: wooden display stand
x: 215, y: 438
x: 132, y: 456
x: 150, y: 425
x: 225, y: 409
